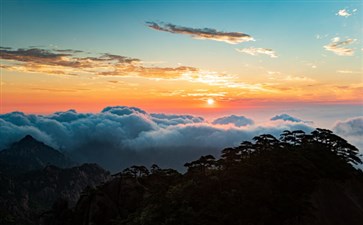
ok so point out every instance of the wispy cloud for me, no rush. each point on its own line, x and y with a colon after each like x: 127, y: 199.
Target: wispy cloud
x: 60, y: 60
x: 345, y: 12
x: 297, y: 78
x: 349, y: 72
x: 258, y: 51
x: 60, y: 89
x: 218, y: 94
x: 73, y: 62
x: 286, y: 117
x: 339, y: 47
x: 68, y: 62
x: 202, y: 33
x: 311, y: 65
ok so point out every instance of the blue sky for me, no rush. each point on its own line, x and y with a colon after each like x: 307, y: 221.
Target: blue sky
x: 119, y: 26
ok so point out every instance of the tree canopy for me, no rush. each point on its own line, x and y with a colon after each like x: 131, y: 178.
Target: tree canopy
x: 268, y: 180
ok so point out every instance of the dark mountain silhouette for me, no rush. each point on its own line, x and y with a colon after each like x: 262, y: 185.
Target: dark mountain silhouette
x: 33, y: 176
x: 29, y: 154
x: 297, y: 179
x: 24, y: 197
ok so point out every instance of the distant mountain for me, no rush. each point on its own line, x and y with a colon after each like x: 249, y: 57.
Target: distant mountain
x: 25, y: 197
x: 33, y: 176
x: 30, y: 154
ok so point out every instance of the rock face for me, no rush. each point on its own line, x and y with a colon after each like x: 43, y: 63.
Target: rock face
x: 29, y: 154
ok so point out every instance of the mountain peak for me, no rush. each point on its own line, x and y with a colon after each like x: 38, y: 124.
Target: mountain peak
x: 28, y: 138
x: 31, y: 154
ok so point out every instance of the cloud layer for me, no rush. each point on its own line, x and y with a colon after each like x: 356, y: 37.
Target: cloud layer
x: 339, y: 47
x: 352, y: 129
x: 122, y: 136
x: 202, y: 34
x: 74, y: 62
x: 78, y: 63
x: 286, y: 117
x: 238, y: 121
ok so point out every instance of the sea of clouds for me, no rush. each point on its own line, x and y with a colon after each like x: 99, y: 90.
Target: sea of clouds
x: 120, y: 136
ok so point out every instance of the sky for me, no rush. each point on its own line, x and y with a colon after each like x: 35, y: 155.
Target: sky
x: 206, y: 58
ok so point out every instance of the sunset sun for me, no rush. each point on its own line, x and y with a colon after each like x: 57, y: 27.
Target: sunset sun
x: 210, y: 101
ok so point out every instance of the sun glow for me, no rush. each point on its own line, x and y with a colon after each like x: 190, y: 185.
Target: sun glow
x: 210, y: 101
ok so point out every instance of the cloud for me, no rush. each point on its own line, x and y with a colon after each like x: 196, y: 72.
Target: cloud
x: 339, y: 47
x: 75, y: 63
x: 73, y: 51
x: 198, y: 94
x: 350, y: 127
x: 67, y: 61
x: 349, y: 72
x: 122, y: 110
x: 257, y: 51
x: 238, y: 121
x: 202, y: 34
x: 286, y: 117
x: 299, y: 79
x: 32, y: 54
x: 71, y: 62
x: 67, y: 116
x: 352, y: 130
x: 150, y: 72
x: 345, y: 12
x: 170, y: 119
x: 63, y: 58
x: 120, y: 136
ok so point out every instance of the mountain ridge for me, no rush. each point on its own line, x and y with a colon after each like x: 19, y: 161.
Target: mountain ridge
x: 30, y: 154
x: 33, y: 176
